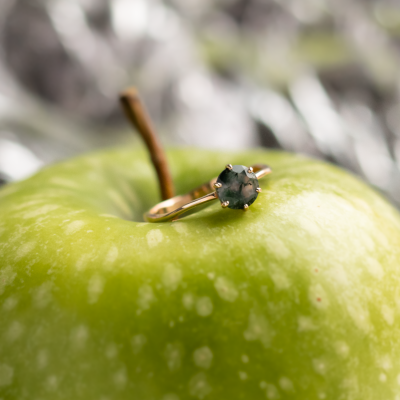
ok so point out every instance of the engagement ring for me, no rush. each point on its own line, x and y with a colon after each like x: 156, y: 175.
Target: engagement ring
x: 236, y: 187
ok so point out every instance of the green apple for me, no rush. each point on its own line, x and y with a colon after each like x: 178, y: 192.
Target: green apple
x: 296, y: 298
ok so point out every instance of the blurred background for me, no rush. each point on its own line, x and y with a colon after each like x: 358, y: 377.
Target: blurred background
x: 317, y: 77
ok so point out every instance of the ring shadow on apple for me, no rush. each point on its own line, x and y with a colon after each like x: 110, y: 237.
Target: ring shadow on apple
x: 294, y: 298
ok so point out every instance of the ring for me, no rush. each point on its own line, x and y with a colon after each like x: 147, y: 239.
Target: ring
x: 236, y: 187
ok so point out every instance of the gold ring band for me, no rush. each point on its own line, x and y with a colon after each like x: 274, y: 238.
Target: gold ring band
x: 171, y: 209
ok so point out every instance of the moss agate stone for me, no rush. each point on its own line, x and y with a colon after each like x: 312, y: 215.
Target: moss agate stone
x: 239, y: 187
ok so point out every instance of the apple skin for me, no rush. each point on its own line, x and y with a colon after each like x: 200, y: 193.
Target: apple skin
x: 296, y: 298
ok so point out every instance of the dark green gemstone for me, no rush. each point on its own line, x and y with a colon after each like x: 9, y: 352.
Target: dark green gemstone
x: 238, y: 187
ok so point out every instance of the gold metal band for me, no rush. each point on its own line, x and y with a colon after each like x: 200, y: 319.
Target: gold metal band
x: 169, y: 210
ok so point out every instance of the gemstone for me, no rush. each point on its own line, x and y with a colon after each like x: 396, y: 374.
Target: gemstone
x: 238, y: 186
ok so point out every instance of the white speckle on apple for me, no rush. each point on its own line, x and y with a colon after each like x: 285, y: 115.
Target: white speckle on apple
x: 188, y: 301
x: 211, y: 276
x: 204, y: 306
x: 263, y: 384
x: 382, y: 377
x: 226, y: 289
x: 141, y: 224
x: 374, y: 267
x: 145, y: 297
x: 388, y: 314
x: 180, y: 227
x: 42, y: 359
x: 367, y: 241
x: 24, y: 249
x: 76, y: 212
x: 79, y: 336
x: 52, y: 383
x: 120, y: 378
x: 360, y: 316
x: 15, y: 331
x: 277, y: 247
x: 95, y: 288
x: 171, y: 277
x: 318, y: 297
x: 27, y: 204
x: 6, y: 375
x: 154, y: 237
x: 40, y: 211
x: 138, y: 341
x: 203, y: 357
x: 319, y: 366
x: 309, y: 225
x: 386, y: 362
x: 111, y: 256
x: 7, y: 276
x: 17, y: 235
x: 73, y: 227
x: 242, y: 375
x: 82, y: 261
x: 271, y: 391
x: 286, y: 384
x: 199, y: 386
x: 111, y: 351
x: 42, y: 295
x: 173, y: 354
x: 305, y: 324
x: 339, y: 275
x: 321, y: 395
x: 170, y: 396
x: 258, y: 329
x: 342, y: 348
x: 245, y: 358
x: 64, y: 182
x: 10, y: 302
x: 280, y: 279
x: 108, y: 216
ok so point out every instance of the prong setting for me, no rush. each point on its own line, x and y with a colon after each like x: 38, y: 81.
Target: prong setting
x: 239, y: 186
x: 258, y: 190
x: 225, y: 204
x: 217, y: 185
x: 246, y: 206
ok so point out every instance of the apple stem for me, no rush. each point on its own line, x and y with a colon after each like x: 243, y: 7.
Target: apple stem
x: 136, y: 113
